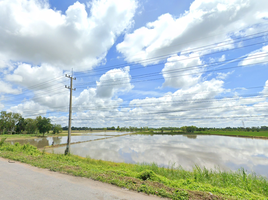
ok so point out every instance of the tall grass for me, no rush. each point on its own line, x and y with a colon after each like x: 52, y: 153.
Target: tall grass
x: 216, y: 177
x: 143, y: 177
x: 2, y: 141
x: 235, y: 133
x: 260, y: 134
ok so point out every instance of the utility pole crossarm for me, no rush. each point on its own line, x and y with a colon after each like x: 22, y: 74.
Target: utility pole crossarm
x: 67, y: 151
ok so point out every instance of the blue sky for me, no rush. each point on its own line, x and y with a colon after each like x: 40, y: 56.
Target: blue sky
x: 136, y: 63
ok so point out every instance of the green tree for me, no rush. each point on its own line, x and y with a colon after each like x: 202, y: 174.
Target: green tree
x: 183, y: 129
x: 57, y: 128
x: 9, y: 121
x: 190, y: 129
x: 43, y: 125
x: 3, y: 121
x: 30, y: 126
x: 2, y: 126
x: 20, y: 126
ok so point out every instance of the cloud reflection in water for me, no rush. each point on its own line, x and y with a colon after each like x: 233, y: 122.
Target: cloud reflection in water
x: 209, y: 151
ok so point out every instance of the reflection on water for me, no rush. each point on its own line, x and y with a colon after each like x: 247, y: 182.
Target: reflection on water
x: 107, y: 133
x: 38, y: 142
x: 209, y: 151
x: 190, y: 136
x: 47, y: 141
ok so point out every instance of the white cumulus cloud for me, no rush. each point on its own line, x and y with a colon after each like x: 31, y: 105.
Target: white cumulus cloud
x: 182, y: 71
x: 43, y: 84
x: 101, y: 102
x: 265, y: 89
x: 207, y: 22
x: 256, y: 57
x: 113, y: 81
x: 29, y: 109
x: 6, y: 88
x: 33, y: 32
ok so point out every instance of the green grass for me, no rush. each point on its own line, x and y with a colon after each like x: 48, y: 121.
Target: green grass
x: 174, y: 183
x: 261, y: 134
x: 63, y: 133
x: 236, y: 133
x: 2, y: 141
x: 25, y: 136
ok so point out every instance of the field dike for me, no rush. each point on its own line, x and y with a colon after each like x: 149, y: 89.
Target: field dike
x: 253, y: 135
x: 173, y: 183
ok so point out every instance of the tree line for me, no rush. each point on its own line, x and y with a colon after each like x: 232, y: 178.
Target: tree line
x: 192, y: 129
x: 14, y: 123
x: 186, y: 129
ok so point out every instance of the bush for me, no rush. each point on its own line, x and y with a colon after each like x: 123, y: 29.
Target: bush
x: 2, y: 141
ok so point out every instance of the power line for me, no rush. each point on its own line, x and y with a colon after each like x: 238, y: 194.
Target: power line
x: 213, y: 70
x: 196, y: 101
x: 38, y: 85
x: 41, y: 96
x: 195, y: 118
x: 139, y: 76
x: 42, y: 83
x: 38, y: 96
x: 206, y: 99
x: 30, y: 91
x: 190, y: 68
x: 131, y: 64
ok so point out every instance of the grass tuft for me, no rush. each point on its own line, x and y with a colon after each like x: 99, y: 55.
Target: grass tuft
x: 2, y: 141
x: 173, y: 183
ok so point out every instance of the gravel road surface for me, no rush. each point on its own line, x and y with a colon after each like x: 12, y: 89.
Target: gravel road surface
x: 22, y: 181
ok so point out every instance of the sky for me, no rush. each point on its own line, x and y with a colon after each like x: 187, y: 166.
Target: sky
x: 136, y: 63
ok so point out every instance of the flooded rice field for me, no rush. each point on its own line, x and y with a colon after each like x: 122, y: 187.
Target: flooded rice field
x: 225, y: 153
x: 41, y: 142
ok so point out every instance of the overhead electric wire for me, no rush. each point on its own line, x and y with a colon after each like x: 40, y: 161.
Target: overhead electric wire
x: 38, y: 85
x: 130, y: 64
x: 189, y: 58
x: 42, y: 97
x: 197, y: 118
x: 56, y: 92
x: 213, y: 70
x: 42, y: 83
x: 29, y: 92
x: 33, y: 86
x: 174, y: 111
x: 191, y: 100
x: 45, y: 82
x: 195, y: 101
x: 164, y: 112
x: 159, y: 103
x: 190, y: 68
x: 39, y: 90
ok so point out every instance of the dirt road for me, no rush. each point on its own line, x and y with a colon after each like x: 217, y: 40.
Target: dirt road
x: 21, y: 181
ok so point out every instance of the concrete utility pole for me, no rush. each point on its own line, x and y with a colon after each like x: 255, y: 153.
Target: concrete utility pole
x: 67, y: 151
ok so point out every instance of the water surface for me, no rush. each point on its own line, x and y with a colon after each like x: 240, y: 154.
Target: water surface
x: 107, y: 133
x: 47, y: 141
x: 226, y: 153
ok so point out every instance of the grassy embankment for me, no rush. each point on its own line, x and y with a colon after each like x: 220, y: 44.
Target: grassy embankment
x: 26, y: 136
x: 261, y: 134
x: 151, y: 179
x: 63, y: 133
